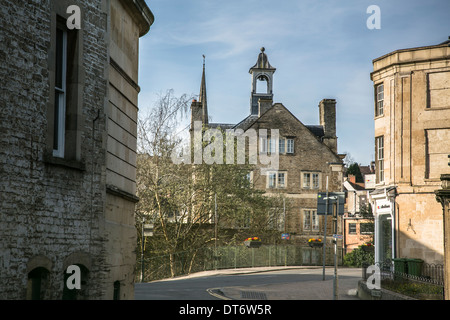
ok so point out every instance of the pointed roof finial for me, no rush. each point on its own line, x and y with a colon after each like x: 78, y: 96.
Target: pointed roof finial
x: 202, y: 95
x: 262, y: 62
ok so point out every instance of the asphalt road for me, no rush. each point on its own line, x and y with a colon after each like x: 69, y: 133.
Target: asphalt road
x: 284, y: 284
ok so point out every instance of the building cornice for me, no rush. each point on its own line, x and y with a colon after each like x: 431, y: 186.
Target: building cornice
x: 408, y: 56
x: 141, y: 13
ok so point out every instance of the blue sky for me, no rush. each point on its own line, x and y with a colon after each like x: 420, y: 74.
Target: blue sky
x: 321, y: 49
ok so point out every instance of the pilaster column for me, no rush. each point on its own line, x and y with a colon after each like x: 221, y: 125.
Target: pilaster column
x: 443, y: 196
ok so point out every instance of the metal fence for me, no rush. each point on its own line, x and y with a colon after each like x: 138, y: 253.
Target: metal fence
x: 412, y: 278
x: 229, y: 257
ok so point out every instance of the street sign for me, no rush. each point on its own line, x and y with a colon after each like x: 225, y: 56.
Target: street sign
x: 333, y: 198
x: 338, y: 236
x: 148, y: 229
x: 285, y: 236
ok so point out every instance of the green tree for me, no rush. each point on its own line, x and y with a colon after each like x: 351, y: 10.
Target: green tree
x: 354, y: 170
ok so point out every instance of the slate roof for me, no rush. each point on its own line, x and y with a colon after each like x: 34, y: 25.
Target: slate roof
x: 245, y: 123
x: 317, y: 130
x: 221, y: 125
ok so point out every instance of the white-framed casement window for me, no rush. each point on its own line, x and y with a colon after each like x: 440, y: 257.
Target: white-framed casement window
x: 276, y: 179
x: 310, y: 220
x: 310, y: 180
x: 281, y: 182
x: 59, y: 127
x: 267, y: 145
x: 379, y: 95
x: 282, y: 145
x: 271, y: 180
x: 286, y: 146
x: 379, y: 144
x: 289, y: 145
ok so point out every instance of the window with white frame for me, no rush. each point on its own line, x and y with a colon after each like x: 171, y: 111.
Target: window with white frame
x: 315, y: 181
x: 263, y: 145
x: 286, y: 145
x: 310, y: 220
x: 289, y: 145
x: 282, y: 145
x: 249, y: 179
x: 267, y: 145
x: 281, y: 183
x: 60, y: 92
x: 276, y: 180
x: 306, y: 178
x: 379, y: 144
x: 311, y: 180
x: 379, y: 100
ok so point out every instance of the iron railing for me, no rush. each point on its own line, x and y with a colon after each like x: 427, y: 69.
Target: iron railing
x: 414, y: 279
x: 229, y: 257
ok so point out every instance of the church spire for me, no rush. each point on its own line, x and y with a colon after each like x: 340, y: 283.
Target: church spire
x: 202, y: 96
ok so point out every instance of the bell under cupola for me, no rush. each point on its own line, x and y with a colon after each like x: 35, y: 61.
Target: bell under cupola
x: 262, y: 84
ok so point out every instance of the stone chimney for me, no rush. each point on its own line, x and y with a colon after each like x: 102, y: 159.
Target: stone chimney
x: 264, y: 105
x: 196, y: 114
x: 352, y: 178
x: 327, y: 117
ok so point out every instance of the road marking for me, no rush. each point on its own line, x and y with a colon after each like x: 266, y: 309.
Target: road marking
x: 213, y: 292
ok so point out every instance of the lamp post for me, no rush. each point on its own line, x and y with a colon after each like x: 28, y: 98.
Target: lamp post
x: 325, y: 233
x: 142, y: 250
x: 335, y: 214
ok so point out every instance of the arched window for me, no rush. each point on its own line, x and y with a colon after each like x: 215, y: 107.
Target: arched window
x: 37, y: 283
x: 116, y: 294
x: 77, y: 294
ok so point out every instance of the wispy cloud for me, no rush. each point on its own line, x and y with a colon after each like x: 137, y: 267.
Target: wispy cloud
x: 321, y: 49
x: 230, y: 35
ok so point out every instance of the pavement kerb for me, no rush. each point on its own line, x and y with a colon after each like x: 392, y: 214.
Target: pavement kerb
x: 238, y: 271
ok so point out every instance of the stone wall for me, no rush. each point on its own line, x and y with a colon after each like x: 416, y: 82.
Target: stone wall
x: 55, y: 212
x: 310, y: 155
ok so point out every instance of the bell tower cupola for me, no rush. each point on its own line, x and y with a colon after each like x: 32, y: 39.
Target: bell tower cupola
x: 262, y: 84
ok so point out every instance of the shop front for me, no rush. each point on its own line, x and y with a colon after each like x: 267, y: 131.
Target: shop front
x: 383, y: 208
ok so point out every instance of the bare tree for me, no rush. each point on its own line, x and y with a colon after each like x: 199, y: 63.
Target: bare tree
x: 187, y: 202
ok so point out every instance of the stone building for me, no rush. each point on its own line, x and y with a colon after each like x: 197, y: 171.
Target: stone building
x: 306, y: 154
x: 358, y: 222
x: 68, y: 112
x: 412, y: 141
